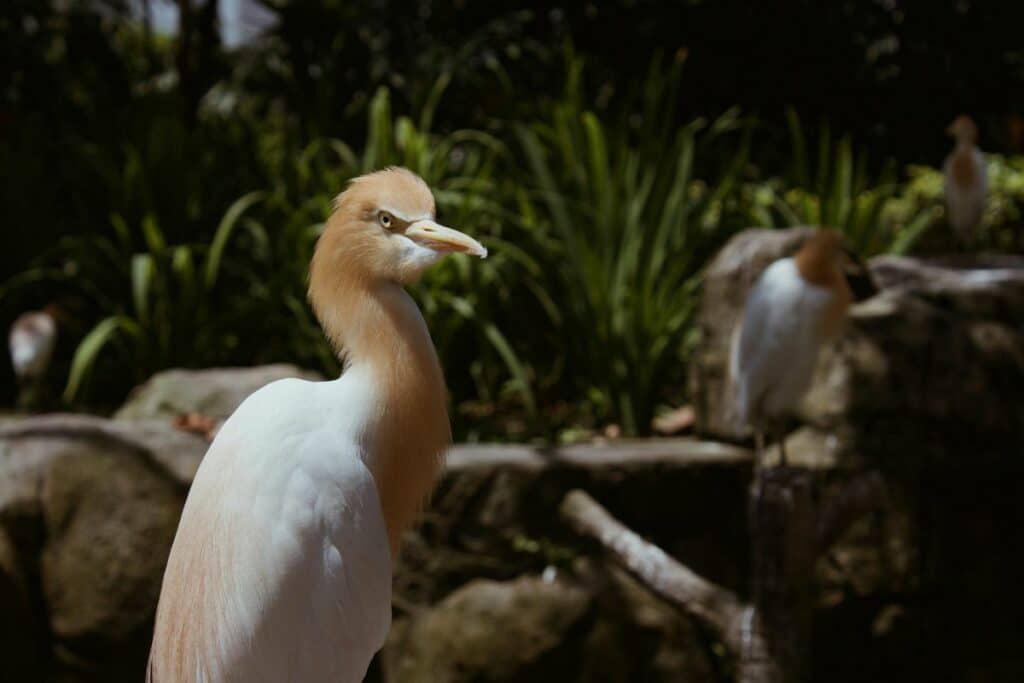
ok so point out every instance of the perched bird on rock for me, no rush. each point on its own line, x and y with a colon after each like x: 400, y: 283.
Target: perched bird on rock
x: 797, y: 304
x: 281, y: 567
x: 966, y: 181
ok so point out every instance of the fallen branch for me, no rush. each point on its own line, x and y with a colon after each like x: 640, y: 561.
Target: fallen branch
x: 717, y: 608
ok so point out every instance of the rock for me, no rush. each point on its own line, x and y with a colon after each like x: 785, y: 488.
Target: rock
x: 92, y: 508
x: 22, y: 655
x: 588, y: 623
x: 214, y: 393
x: 638, y: 637
x: 926, y: 387
x: 110, y: 521
x: 487, y: 631
x: 807, y: 447
x: 934, y: 361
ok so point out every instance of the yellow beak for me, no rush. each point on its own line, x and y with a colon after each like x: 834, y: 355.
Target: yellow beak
x: 442, y: 239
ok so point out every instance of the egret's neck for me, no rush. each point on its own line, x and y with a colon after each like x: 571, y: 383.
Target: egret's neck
x: 382, y: 333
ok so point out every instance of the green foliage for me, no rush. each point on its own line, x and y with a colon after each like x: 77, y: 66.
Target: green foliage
x: 839, y: 193
x: 624, y: 227
x: 165, y: 304
x: 599, y: 207
x: 1002, y: 222
x: 184, y: 305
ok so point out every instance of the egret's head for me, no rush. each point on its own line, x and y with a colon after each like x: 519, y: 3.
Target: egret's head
x: 963, y: 129
x: 822, y: 256
x: 383, y: 228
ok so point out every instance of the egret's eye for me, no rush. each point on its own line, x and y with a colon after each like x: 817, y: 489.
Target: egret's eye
x: 385, y: 219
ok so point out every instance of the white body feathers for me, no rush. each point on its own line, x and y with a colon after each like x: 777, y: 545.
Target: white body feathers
x: 282, y: 547
x: 966, y: 189
x: 775, y: 346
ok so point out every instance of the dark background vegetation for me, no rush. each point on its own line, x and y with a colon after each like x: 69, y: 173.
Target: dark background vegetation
x: 165, y: 193
x: 123, y: 151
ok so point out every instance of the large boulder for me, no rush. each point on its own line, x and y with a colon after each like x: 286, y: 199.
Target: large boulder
x: 213, y: 393
x: 22, y: 655
x: 488, y: 631
x: 926, y: 386
x: 88, y: 510
x: 586, y: 622
x: 636, y: 636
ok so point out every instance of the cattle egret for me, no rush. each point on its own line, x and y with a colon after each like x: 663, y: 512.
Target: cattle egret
x: 966, y: 180
x: 33, y: 336
x: 281, y: 567
x: 796, y: 305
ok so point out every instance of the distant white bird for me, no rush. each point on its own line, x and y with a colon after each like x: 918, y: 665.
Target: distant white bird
x: 795, y: 306
x: 281, y: 567
x: 31, y: 342
x: 966, y: 180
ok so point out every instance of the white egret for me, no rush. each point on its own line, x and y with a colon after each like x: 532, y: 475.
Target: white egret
x: 795, y: 306
x: 281, y: 567
x: 966, y: 180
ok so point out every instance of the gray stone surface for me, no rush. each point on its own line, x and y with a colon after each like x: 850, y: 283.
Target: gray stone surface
x: 487, y: 631
x: 214, y: 392
x: 88, y: 510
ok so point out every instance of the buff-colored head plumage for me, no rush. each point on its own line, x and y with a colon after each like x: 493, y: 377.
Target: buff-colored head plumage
x: 819, y: 259
x: 964, y: 130
x: 382, y: 229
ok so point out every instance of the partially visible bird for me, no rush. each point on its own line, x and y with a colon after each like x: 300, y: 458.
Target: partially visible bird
x: 966, y: 180
x: 797, y: 304
x: 31, y: 341
x: 281, y: 566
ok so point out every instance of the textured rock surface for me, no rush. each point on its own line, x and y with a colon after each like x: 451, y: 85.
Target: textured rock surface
x: 636, y: 636
x: 584, y: 623
x: 489, y: 631
x: 109, y: 522
x: 21, y: 633
x: 214, y: 393
x: 87, y: 515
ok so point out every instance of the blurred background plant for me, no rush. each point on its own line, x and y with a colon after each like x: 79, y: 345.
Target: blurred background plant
x: 168, y: 188
x: 628, y: 222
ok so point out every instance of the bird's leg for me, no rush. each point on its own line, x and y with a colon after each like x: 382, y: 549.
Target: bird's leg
x: 782, y: 448
x: 758, y: 449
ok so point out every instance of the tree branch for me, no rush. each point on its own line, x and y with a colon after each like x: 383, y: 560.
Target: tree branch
x: 717, y: 608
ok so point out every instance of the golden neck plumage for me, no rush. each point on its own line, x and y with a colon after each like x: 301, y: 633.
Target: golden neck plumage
x: 378, y: 327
